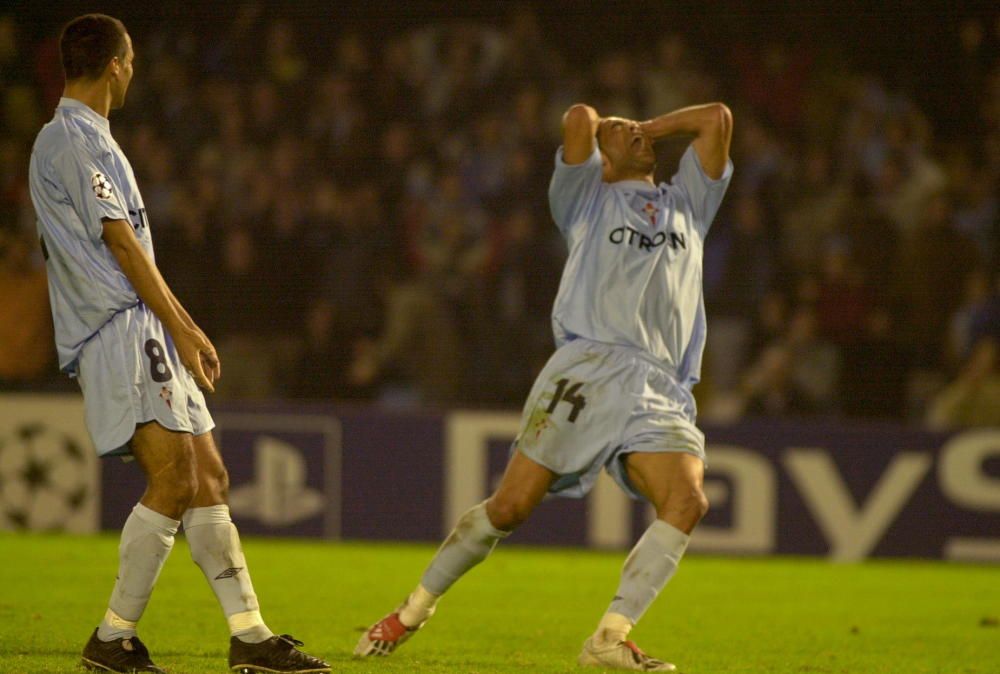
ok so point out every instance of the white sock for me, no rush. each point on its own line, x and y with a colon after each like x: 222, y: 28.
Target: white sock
x: 613, y: 629
x: 420, y: 606
x: 470, y: 542
x: 146, y: 541
x: 647, y: 569
x: 215, y: 547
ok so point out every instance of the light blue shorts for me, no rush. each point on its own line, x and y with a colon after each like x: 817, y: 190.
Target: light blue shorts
x: 593, y: 403
x: 130, y: 373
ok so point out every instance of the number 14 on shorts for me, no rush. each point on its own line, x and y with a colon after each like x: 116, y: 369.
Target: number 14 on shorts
x: 568, y: 392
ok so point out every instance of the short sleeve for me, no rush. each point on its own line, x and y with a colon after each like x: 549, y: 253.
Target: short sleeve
x: 703, y: 193
x: 92, y: 188
x: 574, y: 189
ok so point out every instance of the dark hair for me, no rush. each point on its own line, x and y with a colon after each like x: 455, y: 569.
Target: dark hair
x: 88, y: 43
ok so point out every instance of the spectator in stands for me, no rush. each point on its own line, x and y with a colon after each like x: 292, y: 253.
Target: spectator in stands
x: 510, y: 348
x: 769, y: 388
x: 744, y: 266
x: 451, y: 242
x: 970, y: 321
x: 973, y: 398
x: 418, y: 354
x: 844, y: 300
x: 817, y: 208
x: 816, y: 364
x: 873, y: 378
x: 26, y: 352
x: 797, y: 374
x: 241, y: 291
x: 285, y: 63
x: 908, y: 179
x: 672, y: 81
x: 930, y: 279
x: 321, y: 370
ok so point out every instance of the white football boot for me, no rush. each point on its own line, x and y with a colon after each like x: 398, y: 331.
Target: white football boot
x: 387, y: 635
x: 622, y: 655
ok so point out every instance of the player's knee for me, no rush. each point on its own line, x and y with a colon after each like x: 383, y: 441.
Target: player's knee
x: 685, y: 507
x: 701, y: 504
x: 184, y: 489
x: 215, y: 484
x: 175, y: 486
x: 222, y: 483
x: 507, y: 513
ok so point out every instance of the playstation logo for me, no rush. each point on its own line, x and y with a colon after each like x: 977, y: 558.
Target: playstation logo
x: 279, y: 495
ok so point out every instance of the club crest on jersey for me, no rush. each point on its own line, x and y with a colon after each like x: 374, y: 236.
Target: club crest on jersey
x: 651, y: 211
x: 101, y: 185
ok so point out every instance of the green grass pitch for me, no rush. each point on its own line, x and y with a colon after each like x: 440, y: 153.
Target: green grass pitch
x: 525, y: 610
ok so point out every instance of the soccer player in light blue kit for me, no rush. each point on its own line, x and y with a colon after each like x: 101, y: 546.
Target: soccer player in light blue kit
x: 139, y: 359
x: 629, y: 321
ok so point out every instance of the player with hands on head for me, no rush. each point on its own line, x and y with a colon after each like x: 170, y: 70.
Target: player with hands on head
x: 629, y: 323
x: 139, y: 359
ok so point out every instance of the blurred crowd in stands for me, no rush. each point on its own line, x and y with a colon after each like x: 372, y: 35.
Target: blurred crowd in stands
x: 365, y: 216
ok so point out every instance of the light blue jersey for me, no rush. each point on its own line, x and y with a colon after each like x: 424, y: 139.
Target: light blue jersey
x: 634, y: 272
x: 629, y: 320
x: 126, y: 363
x: 79, y: 176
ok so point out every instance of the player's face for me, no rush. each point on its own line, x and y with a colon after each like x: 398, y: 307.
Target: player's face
x: 123, y: 76
x: 626, y: 149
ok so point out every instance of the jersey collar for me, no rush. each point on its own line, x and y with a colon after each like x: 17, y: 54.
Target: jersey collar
x: 635, y: 185
x: 85, y: 110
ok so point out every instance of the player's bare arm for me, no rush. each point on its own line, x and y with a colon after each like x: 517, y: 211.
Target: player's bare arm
x: 139, y: 269
x: 580, y: 124
x: 712, y: 126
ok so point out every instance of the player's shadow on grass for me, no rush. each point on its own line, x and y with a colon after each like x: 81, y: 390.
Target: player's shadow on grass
x: 53, y: 652
x: 76, y: 653
x: 172, y: 653
x: 345, y: 661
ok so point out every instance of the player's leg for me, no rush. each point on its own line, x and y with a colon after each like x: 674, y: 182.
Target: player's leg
x: 216, y: 549
x: 672, y: 482
x: 167, y: 459
x: 571, y: 421
x: 215, y: 545
x: 522, y: 488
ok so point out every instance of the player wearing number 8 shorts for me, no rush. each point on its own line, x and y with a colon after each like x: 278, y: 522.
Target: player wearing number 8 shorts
x: 140, y: 360
x: 629, y: 321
